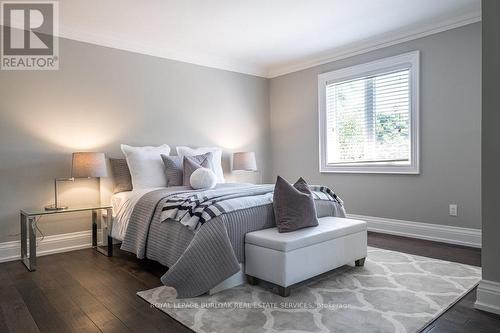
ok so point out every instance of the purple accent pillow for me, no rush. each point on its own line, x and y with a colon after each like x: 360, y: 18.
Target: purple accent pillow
x: 121, y: 175
x: 293, y: 205
x: 173, y: 170
x: 192, y: 163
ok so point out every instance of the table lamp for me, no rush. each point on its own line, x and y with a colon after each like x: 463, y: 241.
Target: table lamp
x: 84, y: 165
x: 244, y: 161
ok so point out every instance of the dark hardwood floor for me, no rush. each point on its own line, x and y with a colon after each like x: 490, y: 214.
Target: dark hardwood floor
x: 83, y: 291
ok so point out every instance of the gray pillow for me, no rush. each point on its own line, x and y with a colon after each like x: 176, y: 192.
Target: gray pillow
x: 191, y: 163
x: 173, y: 169
x: 121, y: 175
x: 293, y: 205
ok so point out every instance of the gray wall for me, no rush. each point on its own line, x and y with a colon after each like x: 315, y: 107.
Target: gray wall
x: 450, y: 109
x: 491, y: 140
x: 102, y: 97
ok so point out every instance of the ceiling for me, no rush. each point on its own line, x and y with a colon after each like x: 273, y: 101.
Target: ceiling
x: 260, y: 37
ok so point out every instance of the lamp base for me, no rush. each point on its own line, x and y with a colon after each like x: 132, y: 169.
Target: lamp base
x: 54, y: 208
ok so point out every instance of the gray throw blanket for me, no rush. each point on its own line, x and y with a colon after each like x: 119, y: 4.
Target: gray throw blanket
x: 200, y: 259
x: 195, y: 209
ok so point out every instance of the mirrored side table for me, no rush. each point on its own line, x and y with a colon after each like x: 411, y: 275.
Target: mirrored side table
x: 29, y: 219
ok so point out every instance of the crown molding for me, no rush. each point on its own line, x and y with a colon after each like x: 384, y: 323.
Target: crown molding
x: 119, y: 42
x: 374, y: 43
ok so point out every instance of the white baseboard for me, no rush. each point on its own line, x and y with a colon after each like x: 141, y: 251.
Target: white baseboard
x: 50, y: 244
x: 488, y: 296
x: 434, y: 232
x: 441, y: 233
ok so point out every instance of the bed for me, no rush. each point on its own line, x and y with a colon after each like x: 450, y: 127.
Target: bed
x: 208, y: 256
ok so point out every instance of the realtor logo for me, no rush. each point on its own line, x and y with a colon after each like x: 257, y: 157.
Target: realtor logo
x: 28, y: 33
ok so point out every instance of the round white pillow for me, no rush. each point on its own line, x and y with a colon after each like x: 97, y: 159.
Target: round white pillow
x: 203, y: 178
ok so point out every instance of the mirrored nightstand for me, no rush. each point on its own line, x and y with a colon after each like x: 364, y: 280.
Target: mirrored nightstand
x: 29, y: 219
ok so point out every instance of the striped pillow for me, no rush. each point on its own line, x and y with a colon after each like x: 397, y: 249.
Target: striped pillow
x: 121, y: 175
x: 173, y: 169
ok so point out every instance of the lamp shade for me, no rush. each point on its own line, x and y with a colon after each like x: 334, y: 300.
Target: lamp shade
x: 88, y: 165
x: 244, y: 161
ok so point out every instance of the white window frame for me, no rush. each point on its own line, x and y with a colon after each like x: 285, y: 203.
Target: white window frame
x: 410, y: 61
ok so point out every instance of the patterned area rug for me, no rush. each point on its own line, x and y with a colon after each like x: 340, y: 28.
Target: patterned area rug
x: 393, y: 292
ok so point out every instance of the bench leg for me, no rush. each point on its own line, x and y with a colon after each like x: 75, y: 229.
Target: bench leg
x: 252, y: 280
x: 360, y: 262
x: 283, y: 291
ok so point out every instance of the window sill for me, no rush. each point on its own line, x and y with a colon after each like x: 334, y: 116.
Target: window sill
x: 404, y: 170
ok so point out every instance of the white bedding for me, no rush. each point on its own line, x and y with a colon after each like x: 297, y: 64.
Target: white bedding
x: 123, y: 204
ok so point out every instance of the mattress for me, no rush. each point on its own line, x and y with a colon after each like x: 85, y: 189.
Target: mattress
x: 200, y: 259
x: 123, y: 204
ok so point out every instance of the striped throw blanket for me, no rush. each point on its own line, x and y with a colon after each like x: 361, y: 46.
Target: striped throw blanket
x: 193, y: 209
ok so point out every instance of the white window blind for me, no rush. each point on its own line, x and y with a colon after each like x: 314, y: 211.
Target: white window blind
x: 368, y: 119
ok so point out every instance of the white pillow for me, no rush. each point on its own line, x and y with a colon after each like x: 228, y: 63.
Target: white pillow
x: 216, y: 161
x: 146, y: 166
x: 203, y: 178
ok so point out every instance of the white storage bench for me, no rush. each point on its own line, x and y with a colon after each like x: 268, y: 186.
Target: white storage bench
x: 288, y: 258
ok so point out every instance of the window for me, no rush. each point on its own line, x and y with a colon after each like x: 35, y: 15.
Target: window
x: 369, y: 117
